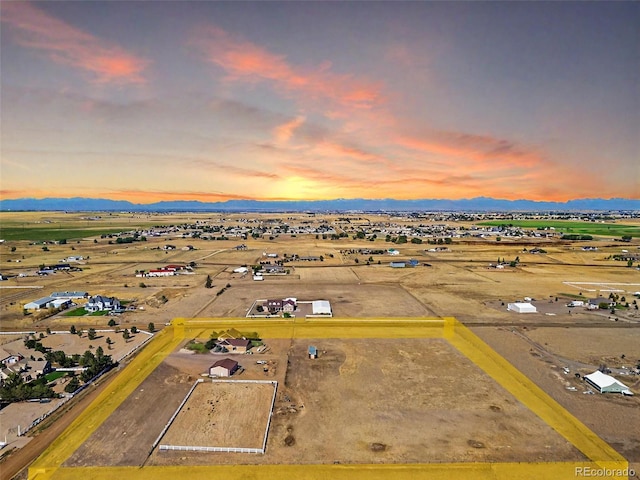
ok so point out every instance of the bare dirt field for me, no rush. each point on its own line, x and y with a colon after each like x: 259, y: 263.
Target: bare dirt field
x: 383, y: 401
x: 615, y: 418
x: 221, y: 414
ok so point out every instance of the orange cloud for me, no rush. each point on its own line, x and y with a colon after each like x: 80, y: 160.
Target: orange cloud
x: 64, y: 44
x: 285, y: 131
x: 245, y: 61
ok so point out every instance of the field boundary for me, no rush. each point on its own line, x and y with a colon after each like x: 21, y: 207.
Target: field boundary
x: 197, y: 448
x: 601, y: 456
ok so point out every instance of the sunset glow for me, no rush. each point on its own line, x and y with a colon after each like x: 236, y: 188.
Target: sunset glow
x: 212, y: 101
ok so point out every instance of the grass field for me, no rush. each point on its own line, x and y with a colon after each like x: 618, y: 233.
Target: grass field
x: 586, y: 228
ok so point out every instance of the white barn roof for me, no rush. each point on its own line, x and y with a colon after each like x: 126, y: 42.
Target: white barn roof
x: 606, y: 383
x: 522, y: 307
x: 321, y: 307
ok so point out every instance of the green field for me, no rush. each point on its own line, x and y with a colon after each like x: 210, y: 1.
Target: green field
x: 54, y: 376
x: 78, y: 312
x: 583, y: 228
x: 54, y: 233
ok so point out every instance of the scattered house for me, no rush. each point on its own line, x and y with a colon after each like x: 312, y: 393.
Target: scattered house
x: 521, y: 307
x: 223, y: 368
x: 74, y: 259
x: 39, y: 367
x: 169, y: 247
x: 313, y: 352
x: 393, y: 251
x: 258, y: 278
x: 61, y: 303
x: 100, y: 303
x: 236, y: 345
x: 589, y: 249
x: 270, y: 255
x: 321, y: 307
x: 397, y: 264
x: 575, y: 303
x: 240, y: 270
x: 39, y: 303
x: 606, y: 383
x: 537, y: 251
x: 242, y: 246
x: 274, y: 305
x: 594, y: 303
x: 273, y: 269
x: 62, y: 266
x: 9, y: 358
x: 69, y: 295
x: 160, y: 272
x: 413, y: 262
x: 174, y: 267
x: 289, y: 305
x: 187, y: 247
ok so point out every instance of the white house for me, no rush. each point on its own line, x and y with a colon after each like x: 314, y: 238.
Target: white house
x: 100, y: 303
x: 521, y: 307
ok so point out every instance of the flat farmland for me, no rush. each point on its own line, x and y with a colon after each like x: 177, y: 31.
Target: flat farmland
x: 382, y: 401
x: 223, y: 414
x: 320, y: 275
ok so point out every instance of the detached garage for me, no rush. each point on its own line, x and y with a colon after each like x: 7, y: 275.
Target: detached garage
x: 321, y: 307
x: 520, y: 307
x: 223, y: 368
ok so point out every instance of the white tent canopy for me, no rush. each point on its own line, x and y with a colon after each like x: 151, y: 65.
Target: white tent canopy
x: 520, y: 307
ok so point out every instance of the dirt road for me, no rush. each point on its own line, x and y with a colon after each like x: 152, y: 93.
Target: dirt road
x: 12, y: 465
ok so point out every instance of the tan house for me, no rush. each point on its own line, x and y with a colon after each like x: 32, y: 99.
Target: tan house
x: 236, y: 345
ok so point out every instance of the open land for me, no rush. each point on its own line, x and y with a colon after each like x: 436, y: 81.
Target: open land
x: 459, y: 279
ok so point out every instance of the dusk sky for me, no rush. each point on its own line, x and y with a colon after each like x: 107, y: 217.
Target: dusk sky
x: 149, y: 101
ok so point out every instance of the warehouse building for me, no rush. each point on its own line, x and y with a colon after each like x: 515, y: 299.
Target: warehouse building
x: 606, y: 383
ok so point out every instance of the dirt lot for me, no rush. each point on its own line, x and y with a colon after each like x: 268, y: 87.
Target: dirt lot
x: 614, y: 418
x: 354, y: 405
x: 223, y: 415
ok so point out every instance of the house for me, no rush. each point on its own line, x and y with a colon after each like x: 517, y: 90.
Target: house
x: 9, y: 358
x: 223, y: 368
x: 274, y: 305
x: 236, y: 345
x: 521, y: 307
x: 240, y: 270
x: 606, y: 383
x: 39, y: 367
x: 288, y: 305
x: 258, y: 278
x: 413, y: 262
x: 393, y: 251
x: 161, y: 272
x: 273, y: 269
x: 187, y: 247
x: 397, y: 264
x: 100, y: 303
x: 594, y: 303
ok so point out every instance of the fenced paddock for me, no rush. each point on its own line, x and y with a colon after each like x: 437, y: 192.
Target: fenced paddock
x: 223, y: 416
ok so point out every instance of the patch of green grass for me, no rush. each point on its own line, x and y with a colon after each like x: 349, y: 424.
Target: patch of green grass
x: 99, y: 313
x: 54, y: 234
x: 50, y: 377
x: 78, y: 312
x: 580, y: 228
x: 197, y: 347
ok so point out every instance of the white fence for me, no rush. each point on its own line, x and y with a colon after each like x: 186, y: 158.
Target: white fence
x: 188, y: 448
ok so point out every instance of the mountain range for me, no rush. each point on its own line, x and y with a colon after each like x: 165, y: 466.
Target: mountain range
x: 478, y: 204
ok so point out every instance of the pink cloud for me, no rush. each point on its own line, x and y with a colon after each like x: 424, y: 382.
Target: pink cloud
x: 245, y: 61
x: 64, y: 44
x: 285, y: 131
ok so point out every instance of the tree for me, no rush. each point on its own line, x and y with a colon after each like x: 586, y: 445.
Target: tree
x: 73, y: 385
x: 73, y: 330
x: 151, y: 327
x: 208, y: 283
x: 112, y: 322
x: 134, y: 329
x: 92, y: 334
x: 126, y: 334
x: 48, y: 331
x: 13, y: 249
x: 109, y: 342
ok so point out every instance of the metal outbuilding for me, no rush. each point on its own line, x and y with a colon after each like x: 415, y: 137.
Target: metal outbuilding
x: 606, y: 383
x: 521, y: 307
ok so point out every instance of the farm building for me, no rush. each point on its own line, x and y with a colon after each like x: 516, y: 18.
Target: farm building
x: 313, y: 352
x: 258, y: 278
x: 606, y: 383
x: 397, y: 264
x: 39, y: 303
x: 70, y: 295
x: 236, y: 345
x: 321, y: 307
x: 521, y: 307
x: 223, y: 368
x: 393, y: 251
x: 161, y: 272
x: 240, y: 270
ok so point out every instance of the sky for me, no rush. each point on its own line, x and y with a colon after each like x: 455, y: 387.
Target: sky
x: 213, y: 101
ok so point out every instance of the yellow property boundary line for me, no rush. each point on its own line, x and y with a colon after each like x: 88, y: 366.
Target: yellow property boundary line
x: 604, y: 461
